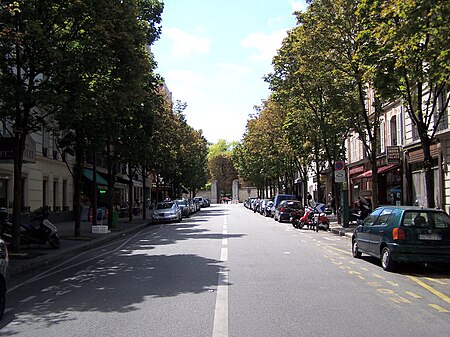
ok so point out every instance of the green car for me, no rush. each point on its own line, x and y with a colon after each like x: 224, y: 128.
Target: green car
x: 404, y: 234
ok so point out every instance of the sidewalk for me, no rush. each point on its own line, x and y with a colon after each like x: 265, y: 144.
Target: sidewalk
x: 336, y: 228
x: 34, y: 256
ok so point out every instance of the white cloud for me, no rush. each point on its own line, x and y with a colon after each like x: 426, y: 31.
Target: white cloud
x: 233, y: 67
x: 298, y: 5
x: 267, y: 45
x: 185, y: 85
x: 185, y: 44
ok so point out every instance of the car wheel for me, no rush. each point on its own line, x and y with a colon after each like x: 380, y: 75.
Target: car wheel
x: 355, y: 252
x: 54, y: 241
x: 386, y: 260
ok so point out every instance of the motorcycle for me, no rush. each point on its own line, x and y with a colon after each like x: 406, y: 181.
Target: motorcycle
x: 364, y: 209
x: 39, y: 231
x: 295, y: 217
x: 311, y: 218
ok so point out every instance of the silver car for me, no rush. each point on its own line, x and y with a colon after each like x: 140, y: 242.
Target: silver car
x: 183, y: 204
x: 167, y: 211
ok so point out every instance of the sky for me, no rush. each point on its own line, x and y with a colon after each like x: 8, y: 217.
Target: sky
x: 213, y: 55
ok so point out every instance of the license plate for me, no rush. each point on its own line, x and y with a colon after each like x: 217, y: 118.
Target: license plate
x: 432, y: 237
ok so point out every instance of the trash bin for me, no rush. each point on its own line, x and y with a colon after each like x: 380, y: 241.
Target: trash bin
x: 115, y: 220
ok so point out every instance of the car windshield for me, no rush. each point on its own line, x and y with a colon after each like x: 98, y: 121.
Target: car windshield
x: 425, y: 219
x: 164, y: 205
x: 181, y: 202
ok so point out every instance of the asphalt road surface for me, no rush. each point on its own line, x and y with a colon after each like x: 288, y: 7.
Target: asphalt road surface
x: 227, y: 271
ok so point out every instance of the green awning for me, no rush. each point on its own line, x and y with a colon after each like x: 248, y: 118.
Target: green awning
x: 89, y: 174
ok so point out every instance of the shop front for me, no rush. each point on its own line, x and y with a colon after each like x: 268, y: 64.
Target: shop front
x: 416, y: 177
x: 390, y: 179
x: 357, y: 185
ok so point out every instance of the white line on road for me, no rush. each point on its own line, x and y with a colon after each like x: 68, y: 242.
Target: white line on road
x: 220, y: 328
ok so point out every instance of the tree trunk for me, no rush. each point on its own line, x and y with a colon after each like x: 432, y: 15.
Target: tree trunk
x: 94, y: 192
x: 429, y: 174
x: 19, y: 142
x: 144, y: 202
x: 77, y: 198
x: 130, y: 194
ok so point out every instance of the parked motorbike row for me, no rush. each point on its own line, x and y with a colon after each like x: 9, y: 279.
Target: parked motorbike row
x: 300, y: 217
x: 311, y: 218
x: 38, y: 231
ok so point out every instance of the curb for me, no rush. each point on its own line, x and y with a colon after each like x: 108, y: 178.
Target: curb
x: 341, y: 232
x: 60, y: 254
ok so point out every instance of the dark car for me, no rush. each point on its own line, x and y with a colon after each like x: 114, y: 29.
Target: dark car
x: 285, y: 208
x: 3, y: 275
x: 404, y: 234
x: 278, y: 199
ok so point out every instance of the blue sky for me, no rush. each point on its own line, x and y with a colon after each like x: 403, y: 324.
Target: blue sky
x: 214, y: 53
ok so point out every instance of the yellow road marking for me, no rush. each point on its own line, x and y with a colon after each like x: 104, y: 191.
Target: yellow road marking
x: 364, y: 268
x: 340, y: 250
x: 374, y: 284
x: 438, y: 308
x: 435, y: 281
x: 410, y: 293
x: 378, y: 276
x: 430, y: 289
x: 399, y: 300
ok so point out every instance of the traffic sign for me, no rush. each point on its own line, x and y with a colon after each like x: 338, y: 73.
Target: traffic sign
x: 339, y: 166
x: 339, y: 176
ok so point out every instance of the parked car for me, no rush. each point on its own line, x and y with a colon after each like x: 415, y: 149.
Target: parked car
x: 185, y: 209
x: 265, y: 208
x: 404, y: 234
x: 201, y: 201
x: 4, y: 259
x: 167, y: 211
x: 285, y: 208
x: 278, y: 199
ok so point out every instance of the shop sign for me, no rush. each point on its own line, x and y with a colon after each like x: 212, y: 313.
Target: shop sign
x: 7, y: 149
x: 356, y: 169
x: 393, y: 154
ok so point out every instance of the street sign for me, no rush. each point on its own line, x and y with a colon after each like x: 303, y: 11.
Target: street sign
x: 339, y: 166
x: 339, y: 176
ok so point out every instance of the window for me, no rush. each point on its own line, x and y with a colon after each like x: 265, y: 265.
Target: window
x: 393, y: 131
x: 382, y: 136
x: 64, y: 194
x: 383, y: 218
x: 442, y: 107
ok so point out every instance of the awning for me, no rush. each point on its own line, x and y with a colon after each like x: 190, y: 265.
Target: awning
x: 89, y: 174
x: 380, y: 170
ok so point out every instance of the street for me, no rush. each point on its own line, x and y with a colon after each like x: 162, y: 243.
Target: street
x: 227, y: 271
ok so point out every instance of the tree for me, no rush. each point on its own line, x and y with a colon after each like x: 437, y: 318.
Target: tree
x: 27, y: 32
x: 413, y: 39
x: 314, y: 93
x: 221, y: 166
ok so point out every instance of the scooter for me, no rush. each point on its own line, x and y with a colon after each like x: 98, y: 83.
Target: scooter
x: 361, y: 214
x: 312, y: 219
x: 295, y: 217
x: 39, y: 231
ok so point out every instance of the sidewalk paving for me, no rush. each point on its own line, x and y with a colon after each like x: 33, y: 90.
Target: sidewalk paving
x: 34, y: 256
